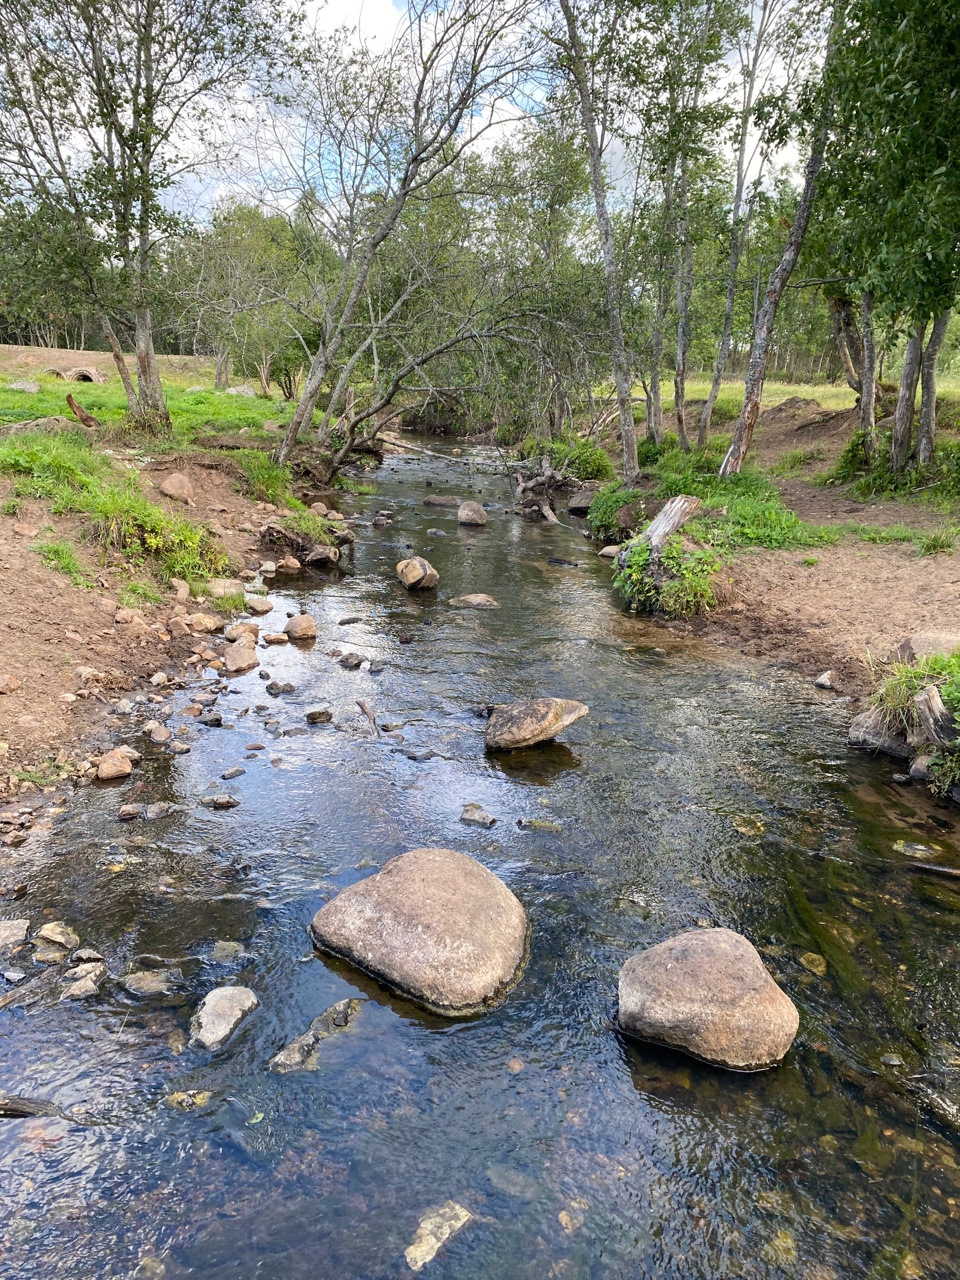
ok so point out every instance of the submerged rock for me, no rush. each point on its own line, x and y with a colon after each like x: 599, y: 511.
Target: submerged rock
x: 417, y: 574
x: 477, y: 601
x: 474, y: 815
x: 152, y: 982
x: 301, y: 1054
x: 115, y: 764
x: 12, y: 933
x: 522, y: 724
x: 707, y: 992
x: 433, y: 924
x: 220, y: 1013
x: 435, y: 1229
x: 441, y: 500
x: 58, y: 934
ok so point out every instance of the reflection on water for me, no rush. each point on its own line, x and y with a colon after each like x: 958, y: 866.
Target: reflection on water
x: 699, y: 789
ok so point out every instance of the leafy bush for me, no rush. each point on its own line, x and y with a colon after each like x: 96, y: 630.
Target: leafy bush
x: 583, y: 459
x: 944, y: 771
x: 601, y: 518
x: 687, y: 588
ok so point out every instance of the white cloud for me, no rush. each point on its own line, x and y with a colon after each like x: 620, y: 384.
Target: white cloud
x: 375, y: 19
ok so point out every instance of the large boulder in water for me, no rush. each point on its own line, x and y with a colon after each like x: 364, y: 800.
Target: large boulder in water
x: 417, y: 574
x: 707, y: 992
x: 434, y: 925
x: 471, y: 513
x: 522, y: 724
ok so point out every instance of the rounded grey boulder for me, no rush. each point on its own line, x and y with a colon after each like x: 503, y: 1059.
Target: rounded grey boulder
x: 707, y: 992
x: 522, y: 724
x: 471, y: 513
x: 433, y: 924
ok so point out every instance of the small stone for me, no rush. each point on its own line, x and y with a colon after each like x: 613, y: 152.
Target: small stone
x: 204, y: 623
x: 240, y: 657
x: 441, y: 500
x: 225, y: 952
x: 351, y: 661
x: 129, y: 812
x: 159, y: 809
x: 824, y: 681
x: 12, y: 933
x: 236, y: 772
x: 523, y: 724
x: 87, y: 955
x: 178, y: 748
x: 814, y: 963
x: 477, y: 601
x: 58, y: 934
x: 220, y: 588
x: 268, y: 568
x: 276, y: 637
x: 288, y: 565
x: 474, y: 815
x: 301, y: 627
x: 471, y: 513
x: 609, y: 553
x: 920, y: 769
x: 242, y: 631
x: 259, y: 605
x: 178, y: 487
x: 8, y: 683
x: 219, y: 802
x: 115, y: 764
x: 81, y: 990
x: 152, y: 982
x: 161, y: 734
x: 417, y: 574
x: 26, y: 530
x: 436, y: 1227
x: 220, y: 1013
x: 95, y: 969
x: 301, y: 1054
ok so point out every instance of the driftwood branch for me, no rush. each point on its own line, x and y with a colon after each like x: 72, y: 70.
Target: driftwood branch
x: 81, y: 414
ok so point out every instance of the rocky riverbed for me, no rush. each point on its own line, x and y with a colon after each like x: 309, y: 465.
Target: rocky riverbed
x: 315, y: 1122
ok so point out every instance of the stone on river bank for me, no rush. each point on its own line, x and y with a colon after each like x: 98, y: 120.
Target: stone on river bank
x: 417, y: 574
x: 433, y: 924
x: 239, y: 657
x: 869, y: 730
x: 220, y: 1013
x: 522, y: 724
x: 301, y: 627
x: 706, y: 992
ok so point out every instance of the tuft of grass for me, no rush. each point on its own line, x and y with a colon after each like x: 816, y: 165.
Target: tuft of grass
x: 263, y: 479
x: 310, y: 526
x: 135, y: 593
x: 601, y: 517
x: 809, y: 562
x: 902, y: 681
x: 62, y: 556
x: 793, y: 462
x: 229, y: 605
x: 349, y: 485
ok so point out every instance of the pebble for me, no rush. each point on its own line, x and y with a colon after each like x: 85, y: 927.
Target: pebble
x: 235, y: 772
x: 219, y: 802
x: 474, y: 815
x: 321, y: 715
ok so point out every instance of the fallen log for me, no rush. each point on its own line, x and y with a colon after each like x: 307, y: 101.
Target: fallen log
x: 674, y: 515
x: 87, y: 419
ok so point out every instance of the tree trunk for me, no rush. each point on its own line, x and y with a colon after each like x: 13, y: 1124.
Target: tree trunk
x: 654, y: 405
x: 221, y: 377
x: 868, y: 393
x: 928, y: 389
x: 133, y: 401
x: 906, y: 400
x: 723, y: 351
x: 757, y: 366
x: 849, y: 346
x: 618, y: 352
x: 263, y: 377
x: 305, y: 406
x: 684, y: 293
x: 150, y: 391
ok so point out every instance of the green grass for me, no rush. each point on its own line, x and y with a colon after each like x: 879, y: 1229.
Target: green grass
x: 927, y: 543
x: 135, y: 593
x: 348, y: 485
x: 936, y: 485
x: 793, y: 463
x: 944, y: 771
x: 64, y: 470
x: 263, y: 479
x: 902, y: 681
x: 62, y: 556
x: 583, y: 459
x: 311, y: 526
x: 738, y: 513
x: 601, y: 517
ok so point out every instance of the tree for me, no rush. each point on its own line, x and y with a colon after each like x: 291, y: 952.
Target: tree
x: 102, y: 104
x: 368, y: 132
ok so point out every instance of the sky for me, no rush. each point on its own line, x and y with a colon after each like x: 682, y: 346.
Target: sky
x: 373, y: 17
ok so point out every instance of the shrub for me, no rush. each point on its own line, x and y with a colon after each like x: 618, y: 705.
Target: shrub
x: 583, y: 459
x: 601, y: 518
x: 262, y: 478
x: 687, y: 586
x: 310, y: 526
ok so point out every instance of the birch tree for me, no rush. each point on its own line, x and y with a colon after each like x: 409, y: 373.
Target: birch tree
x: 103, y: 105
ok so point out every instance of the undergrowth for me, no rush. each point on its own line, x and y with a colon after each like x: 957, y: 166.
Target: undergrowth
x: 62, y: 556
x: 937, y: 484
x: 310, y: 526
x: 263, y: 479
x: 583, y: 459
x: 902, y: 681
x: 65, y: 471
x: 686, y: 585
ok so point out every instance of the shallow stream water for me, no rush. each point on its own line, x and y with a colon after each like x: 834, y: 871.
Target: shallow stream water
x: 700, y: 789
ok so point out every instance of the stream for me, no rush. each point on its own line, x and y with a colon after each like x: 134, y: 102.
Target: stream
x: 701, y: 789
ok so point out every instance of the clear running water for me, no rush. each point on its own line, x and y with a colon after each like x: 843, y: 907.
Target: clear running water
x: 699, y: 789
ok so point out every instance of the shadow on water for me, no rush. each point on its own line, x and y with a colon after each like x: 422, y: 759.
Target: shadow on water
x: 698, y: 790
